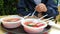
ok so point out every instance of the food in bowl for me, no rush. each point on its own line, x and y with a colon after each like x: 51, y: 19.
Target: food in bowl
x: 33, y: 25
x: 11, y: 21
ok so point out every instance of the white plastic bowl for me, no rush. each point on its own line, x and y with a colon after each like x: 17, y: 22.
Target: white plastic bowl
x: 31, y: 29
x: 11, y: 24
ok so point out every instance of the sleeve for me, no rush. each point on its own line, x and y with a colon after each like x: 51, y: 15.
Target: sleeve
x: 52, y: 9
x: 21, y: 8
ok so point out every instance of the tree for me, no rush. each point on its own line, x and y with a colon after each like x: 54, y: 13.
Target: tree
x: 8, y: 7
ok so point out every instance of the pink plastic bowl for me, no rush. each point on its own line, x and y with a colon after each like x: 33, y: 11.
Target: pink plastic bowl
x: 31, y: 29
x: 11, y: 24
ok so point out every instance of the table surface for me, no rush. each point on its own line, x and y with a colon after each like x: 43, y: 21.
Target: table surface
x: 52, y: 30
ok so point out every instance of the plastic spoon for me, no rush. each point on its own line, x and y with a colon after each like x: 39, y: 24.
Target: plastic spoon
x: 48, y: 19
x: 51, y: 23
x: 27, y: 15
x: 44, y: 16
x: 33, y: 13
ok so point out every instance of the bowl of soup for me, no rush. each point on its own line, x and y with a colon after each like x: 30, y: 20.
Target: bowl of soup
x: 33, y: 25
x: 11, y: 21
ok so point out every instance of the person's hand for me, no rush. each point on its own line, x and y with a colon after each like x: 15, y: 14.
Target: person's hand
x: 41, y: 8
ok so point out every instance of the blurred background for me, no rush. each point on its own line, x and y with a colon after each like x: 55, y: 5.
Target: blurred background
x: 8, y: 7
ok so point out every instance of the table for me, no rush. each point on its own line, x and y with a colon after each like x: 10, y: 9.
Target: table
x: 52, y: 30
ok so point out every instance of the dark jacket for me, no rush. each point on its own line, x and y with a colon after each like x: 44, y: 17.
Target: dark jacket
x: 25, y: 7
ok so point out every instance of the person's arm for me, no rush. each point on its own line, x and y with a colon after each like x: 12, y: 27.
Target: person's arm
x: 21, y: 8
x: 52, y: 9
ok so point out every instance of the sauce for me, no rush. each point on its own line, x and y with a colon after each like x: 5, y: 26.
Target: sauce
x: 11, y: 19
x: 31, y: 24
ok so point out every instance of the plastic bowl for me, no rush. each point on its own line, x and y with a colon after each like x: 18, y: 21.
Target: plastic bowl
x: 31, y: 29
x: 11, y: 24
